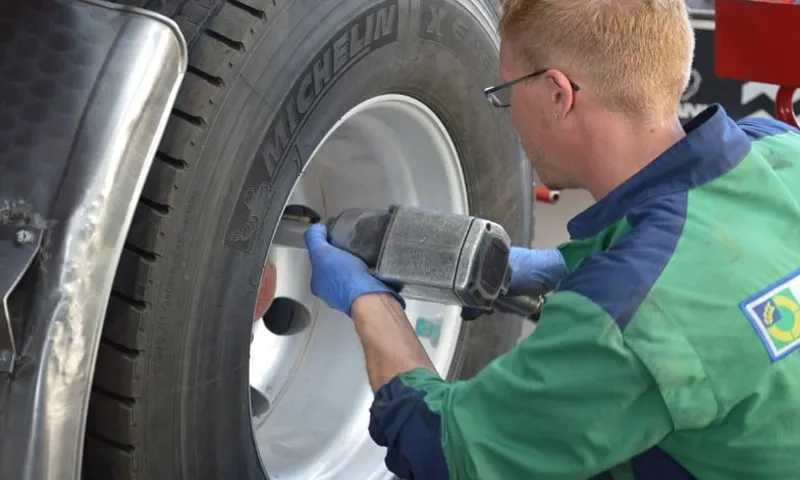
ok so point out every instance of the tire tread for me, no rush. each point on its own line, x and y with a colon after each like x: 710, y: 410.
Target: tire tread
x: 218, y: 33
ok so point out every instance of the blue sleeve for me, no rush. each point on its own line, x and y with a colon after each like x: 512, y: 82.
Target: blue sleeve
x: 412, y: 433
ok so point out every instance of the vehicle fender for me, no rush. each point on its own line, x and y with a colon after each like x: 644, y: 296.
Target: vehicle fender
x: 87, y: 88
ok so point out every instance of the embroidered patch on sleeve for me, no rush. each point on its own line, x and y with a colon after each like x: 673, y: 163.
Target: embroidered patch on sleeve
x: 775, y: 314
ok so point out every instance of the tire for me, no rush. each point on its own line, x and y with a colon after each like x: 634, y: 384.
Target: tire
x: 170, y: 397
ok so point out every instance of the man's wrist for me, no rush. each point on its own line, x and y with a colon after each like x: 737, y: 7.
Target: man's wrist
x: 367, y: 302
x: 390, y: 344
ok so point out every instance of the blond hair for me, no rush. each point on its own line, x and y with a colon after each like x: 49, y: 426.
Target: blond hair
x: 636, y: 55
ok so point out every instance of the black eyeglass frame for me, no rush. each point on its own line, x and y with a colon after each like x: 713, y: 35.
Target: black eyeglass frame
x: 492, y: 89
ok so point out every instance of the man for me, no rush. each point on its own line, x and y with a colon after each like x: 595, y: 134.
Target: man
x: 668, y: 348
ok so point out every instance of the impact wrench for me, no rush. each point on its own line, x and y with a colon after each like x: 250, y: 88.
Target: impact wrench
x: 434, y: 256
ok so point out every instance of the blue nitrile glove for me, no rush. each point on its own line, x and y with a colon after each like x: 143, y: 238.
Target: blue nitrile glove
x: 534, y: 272
x: 337, y: 277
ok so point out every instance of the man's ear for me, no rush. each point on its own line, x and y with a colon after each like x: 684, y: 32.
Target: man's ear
x: 562, y: 97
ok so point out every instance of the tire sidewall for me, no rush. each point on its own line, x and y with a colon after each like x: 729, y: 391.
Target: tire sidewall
x: 440, y: 52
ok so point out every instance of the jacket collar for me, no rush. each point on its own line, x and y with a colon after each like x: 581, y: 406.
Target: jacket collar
x: 713, y: 145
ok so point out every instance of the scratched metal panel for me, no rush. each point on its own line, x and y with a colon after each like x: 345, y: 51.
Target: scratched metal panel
x: 86, y: 88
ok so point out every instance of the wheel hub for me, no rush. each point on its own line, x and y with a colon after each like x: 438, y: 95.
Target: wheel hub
x: 309, y: 389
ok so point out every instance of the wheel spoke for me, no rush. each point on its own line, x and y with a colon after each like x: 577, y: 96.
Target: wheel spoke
x: 281, y: 332
x: 293, y: 270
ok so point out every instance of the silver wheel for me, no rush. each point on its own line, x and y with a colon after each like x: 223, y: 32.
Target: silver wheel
x: 309, y: 390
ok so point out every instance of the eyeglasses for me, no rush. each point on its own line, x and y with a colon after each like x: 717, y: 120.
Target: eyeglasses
x: 500, y: 95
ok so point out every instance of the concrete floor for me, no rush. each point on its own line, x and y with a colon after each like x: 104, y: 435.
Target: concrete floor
x: 551, y: 225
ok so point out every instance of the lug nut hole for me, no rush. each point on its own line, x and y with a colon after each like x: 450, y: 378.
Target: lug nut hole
x: 286, y: 317
x: 301, y: 212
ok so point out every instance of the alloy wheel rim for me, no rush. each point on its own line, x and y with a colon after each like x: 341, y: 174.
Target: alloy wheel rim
x: 310, y: 396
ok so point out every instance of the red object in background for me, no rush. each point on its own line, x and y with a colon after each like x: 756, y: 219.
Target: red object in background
x: 546, y: 195
x: 759, y: 41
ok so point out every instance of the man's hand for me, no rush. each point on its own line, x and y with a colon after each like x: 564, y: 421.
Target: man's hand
x: 337, y: 277
x: 534, y: 272
x: 343, y: 281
